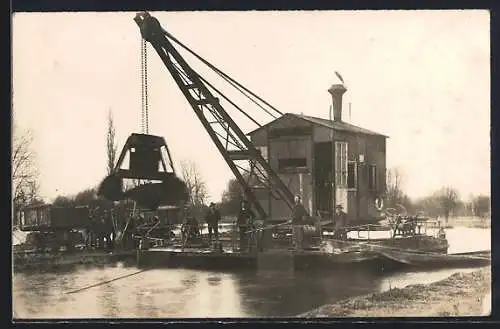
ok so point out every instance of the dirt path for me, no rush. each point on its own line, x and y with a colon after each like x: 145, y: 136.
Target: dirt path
x: 461, y: 294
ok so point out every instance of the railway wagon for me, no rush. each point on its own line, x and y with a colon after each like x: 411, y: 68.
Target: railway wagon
x: 54, y: 227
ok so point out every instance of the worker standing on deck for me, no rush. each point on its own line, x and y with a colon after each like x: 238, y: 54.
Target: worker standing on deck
x: 244, y: 222
x: 95, y: 227
x: 340, y: 222
x: 129, y: 232
x: 212, y: 218
x: 89, y: 239
x: 298, y: 214
x: 102, y: 230
x: 109, y: 230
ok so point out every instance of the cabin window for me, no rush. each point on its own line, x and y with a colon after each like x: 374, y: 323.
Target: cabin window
x: 341, y: 164
x: 372, y: 177
x: 352, y: 175
x: 292, y: 164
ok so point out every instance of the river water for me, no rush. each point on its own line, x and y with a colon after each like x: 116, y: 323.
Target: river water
x: 182, y: 293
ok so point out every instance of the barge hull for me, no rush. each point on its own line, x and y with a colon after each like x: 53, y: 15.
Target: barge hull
x: 269, y: 260
x: 27, y: 260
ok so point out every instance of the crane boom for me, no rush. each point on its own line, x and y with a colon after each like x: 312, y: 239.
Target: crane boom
x: 231, y: 142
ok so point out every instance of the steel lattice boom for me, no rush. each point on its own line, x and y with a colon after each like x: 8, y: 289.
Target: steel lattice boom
x: 245, y: 161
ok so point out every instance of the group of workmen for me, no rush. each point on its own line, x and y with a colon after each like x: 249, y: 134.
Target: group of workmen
x: 245, y: 223
x: 250, y: 235
x: 105, y: 225
x: 101, y: 233
x: 299, y: 214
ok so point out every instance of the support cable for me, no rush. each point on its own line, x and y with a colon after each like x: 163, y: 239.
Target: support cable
x: 226, y: 77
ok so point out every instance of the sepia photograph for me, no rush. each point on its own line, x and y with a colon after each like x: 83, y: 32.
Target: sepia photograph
x: 251, y: 164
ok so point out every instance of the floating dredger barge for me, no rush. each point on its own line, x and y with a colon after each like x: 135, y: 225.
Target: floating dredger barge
x: 329, y: 163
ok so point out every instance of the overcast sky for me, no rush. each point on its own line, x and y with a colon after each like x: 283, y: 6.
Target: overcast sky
x: 421, y: 78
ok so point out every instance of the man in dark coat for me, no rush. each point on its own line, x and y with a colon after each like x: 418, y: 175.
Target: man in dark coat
x: 95, y: 227
x: 190, y: 230
x: 340, y: 222
x: 245, y: 223
x: 298, y: 214
x: 108, y: 229
x: 89, y: 241
x: 131, y: 229
x: 212, y: 218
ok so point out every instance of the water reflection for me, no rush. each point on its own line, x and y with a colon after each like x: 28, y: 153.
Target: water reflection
x: 33, y: 292
x: 167, y: 293
x: 107, y: 298
x: 287, y: 294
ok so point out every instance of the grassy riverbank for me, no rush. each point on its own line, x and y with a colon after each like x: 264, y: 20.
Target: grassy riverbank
x: 461, y: 294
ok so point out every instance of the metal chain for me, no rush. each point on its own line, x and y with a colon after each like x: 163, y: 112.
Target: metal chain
x: 144, y: 85
x: 146, y: 109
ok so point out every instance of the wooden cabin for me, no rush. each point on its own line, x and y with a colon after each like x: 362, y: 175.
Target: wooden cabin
x: 326, y: 162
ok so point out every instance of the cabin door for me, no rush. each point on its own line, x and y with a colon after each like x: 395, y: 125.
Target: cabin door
x: 323, y: 176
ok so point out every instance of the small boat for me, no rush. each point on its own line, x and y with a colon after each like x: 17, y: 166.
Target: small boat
x: 414, y: 243
x: 406, y: 234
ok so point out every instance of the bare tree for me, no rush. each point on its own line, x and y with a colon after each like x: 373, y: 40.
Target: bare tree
x: 197, y: 188
x: 394, y: 192
x: 111, y: 148
x: 24, y: 170
x: 448, y: 200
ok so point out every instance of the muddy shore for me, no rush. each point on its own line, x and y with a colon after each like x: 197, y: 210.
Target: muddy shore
x: 461, y: 294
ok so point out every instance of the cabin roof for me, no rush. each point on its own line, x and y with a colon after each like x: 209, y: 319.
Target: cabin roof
x: 335, y: 125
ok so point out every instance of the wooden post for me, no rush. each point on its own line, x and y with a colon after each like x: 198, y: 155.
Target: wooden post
x: 319, y: 227
x: 233, y: 237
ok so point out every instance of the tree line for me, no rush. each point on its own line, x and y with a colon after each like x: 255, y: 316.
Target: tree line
x: 445, y: 202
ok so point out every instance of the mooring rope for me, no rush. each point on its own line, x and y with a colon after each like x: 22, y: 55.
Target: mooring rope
x: 105, y: 282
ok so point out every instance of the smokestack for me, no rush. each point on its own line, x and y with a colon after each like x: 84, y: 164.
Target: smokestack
x: 337, y: 91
